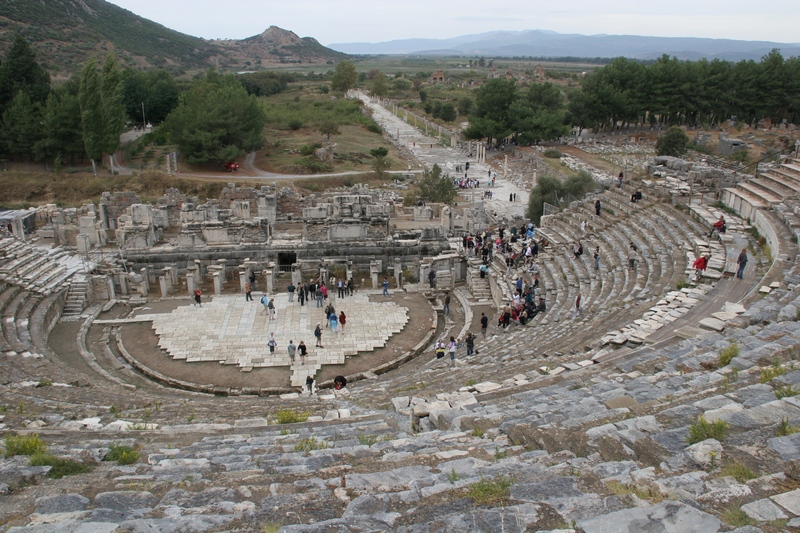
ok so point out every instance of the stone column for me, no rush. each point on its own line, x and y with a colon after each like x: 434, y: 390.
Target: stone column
x: 112, y: 292
x: 349, y: 269
x: 190, y: 284
x: 162, y: 280
x: 223, y: 269
x: 123, y: 284
x: 200, y: 272
x: 398, y: 273
x: 374, y: 270
x: 424, y: 270
x: 297, y: 275
x: 168, y: 276
x: 323, y: 274
x: 270, y: 276
x: 216, y: 276
x: 242, y: 279
x: 82, y: 243
x: 145, y: 278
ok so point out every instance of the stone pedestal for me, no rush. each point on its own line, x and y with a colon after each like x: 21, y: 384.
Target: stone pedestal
x: 270, y: 276
x: 398, y: 273
x: 145, y: 278
x: 242, y: 280
x: 190, y: 285
x: 112, y: 291
x: 123, y: 284
x: 323, y: 274
x: 200, y: 273
x: 223, y: 269
x: 374, y: 271
x: 217, y: 277
x: 424, y: 271
x: 168, y: 278
x: 82, y: 243
x: 191, y: 272
x: 162, y: 280
x: 297, y: 275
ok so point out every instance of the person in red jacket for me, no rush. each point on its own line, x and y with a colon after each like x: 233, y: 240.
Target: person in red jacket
x: 700, y: 265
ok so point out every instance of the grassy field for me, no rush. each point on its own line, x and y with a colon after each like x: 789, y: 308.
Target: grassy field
x: 293, y: 118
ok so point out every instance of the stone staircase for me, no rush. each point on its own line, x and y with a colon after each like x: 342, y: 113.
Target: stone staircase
x: 771, y: 187
x: 76, y: 296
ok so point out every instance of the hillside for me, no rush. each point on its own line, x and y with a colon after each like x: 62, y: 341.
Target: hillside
x: 540, y: 43
x: 276, y: 45
x: 65, y: 33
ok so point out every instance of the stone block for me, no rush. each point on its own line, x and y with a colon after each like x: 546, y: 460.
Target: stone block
x: 487, y: 386
x: 789, y: 501
x: 705, y: 453
x: 666, y: 517
x: 763, y: 510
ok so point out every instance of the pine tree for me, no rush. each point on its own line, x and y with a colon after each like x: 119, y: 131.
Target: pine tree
x: 21, y: 72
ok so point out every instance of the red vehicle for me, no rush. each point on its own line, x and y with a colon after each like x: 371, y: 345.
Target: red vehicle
x: 231, y: 166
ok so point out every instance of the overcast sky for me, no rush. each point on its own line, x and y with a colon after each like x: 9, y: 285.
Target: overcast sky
x: 345, y: 21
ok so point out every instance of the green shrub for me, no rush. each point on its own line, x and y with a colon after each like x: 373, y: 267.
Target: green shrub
x: 290, y: 416
x: 702, y: 430
x: 295, y: 124
x: 785, y: 429
x: 786, y: 391
x: 45, y: 383
x: 315, y: 166
x: 374, y: 127
x: 738, y: 471
x: 308, y: 444
x: 772, y: 372
x: 124, y: 455
x: 59, y: 467
x: 726, y: 355
x: 367, y: 440
x: 682, y: 284
x: 552, y: 153
x: 308, y: 149
x: 24, y: 445
x: 734, y: 516
x: 490, y: 492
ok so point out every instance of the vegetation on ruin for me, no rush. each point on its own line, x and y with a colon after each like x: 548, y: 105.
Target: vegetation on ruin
x: 291, y: 416
x: 490, y: 491
x: 727, y: 354
x: 122, y: 454
x: 59, y: 466
x: 553, y: 191
x: 23, y: 445
x: 433, y: 186
x: 673, y: 143
x: 702, y: 429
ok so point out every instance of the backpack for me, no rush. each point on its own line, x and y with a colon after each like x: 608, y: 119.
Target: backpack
x: 263, y: 300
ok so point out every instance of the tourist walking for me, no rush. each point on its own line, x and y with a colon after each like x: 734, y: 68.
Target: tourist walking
x: 291, y: 288
x: 446, y: 307
x: 319, y: 297
x: 432, y: 278
x: 597, y: 207
x: 470, y: 343
x: 271, y: 342
x: 700, y: 265
x: 197, y: 298
x: 597, y: 258
x: 632, y: 258
x: 341, y: 286
x: 318, y: 335
x: 742, y: 262
x: 264, y: 301
x: 334, y: 320
x: 452, y: 347
x: 484, y: 324
x: 301, y: 296
x: 248, y: 292
x: 271, y: 309
x: 310, y: 384
x: 577, y: 311
x: 342, y: 319
x: 303, y: 351
x: 291, y: 349
x: 386, y: 286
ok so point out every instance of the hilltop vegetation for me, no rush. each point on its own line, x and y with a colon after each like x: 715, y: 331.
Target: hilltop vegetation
x: 66, y: 33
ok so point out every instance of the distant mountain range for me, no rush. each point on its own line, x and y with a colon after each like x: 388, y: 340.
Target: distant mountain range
x: 65, y: 33
x: 541, y: 43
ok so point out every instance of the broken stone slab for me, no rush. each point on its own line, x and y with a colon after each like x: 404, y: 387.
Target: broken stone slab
x: 789, y: 501
x: 787, y: 447
x: 401, y: 402
x: 712, y: 324
x: 487, y: 386
x: 765, y: 290
x: 426, y: 408
x: 705, y: 453
x: 763, y: 510
x: 666, y: 517
x: 731, y: 307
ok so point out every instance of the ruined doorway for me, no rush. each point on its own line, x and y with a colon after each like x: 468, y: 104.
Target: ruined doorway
x: 286, y: 260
